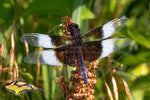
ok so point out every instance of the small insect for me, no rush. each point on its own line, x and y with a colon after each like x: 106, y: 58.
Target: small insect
x: 76, y: 48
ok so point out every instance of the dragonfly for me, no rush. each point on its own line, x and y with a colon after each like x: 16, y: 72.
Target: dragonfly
x: 76, y: 48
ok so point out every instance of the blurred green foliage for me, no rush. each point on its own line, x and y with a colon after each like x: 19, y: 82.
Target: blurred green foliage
x: 41, y: 16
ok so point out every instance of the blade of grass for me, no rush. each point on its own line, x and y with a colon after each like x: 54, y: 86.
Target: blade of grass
x: 52, y: 74
x: 76, y: 15
x: 46, y: 82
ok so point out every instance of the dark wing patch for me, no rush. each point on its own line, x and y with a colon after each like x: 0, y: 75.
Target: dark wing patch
x: 100, y: 49
x: 66, y: 55
x: 92, y: 50
x: 93, y: 35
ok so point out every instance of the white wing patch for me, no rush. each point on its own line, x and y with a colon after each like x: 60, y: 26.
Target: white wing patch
x: 43, y: 57
x: 114, y: 26
x: 45, y: 41
x: 38, y: 40
x: 107, y: 47
x: 108, y: 29
x: 49, y: 57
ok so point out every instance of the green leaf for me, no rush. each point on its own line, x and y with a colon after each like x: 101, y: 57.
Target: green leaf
x: 40, y: 7
x: 140, y: 29
x: 137, y: 58
x: 142, y: 83
x: 130, y: 60
x: 141, y: 69
x: 112, y: 5
x: 86, y: 13
x: 5, y: 11
x: 138, y: 94
x: 76, y: 15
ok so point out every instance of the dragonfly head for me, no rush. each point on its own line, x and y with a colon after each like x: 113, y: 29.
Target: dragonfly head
x: 73, y: 27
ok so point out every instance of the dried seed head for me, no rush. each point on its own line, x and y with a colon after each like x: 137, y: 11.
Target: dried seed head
x: 108, y: 91
x: 115, y: 89
x: 11, y: 57
x: 17, y: 71
x: 12, y: 41
x: 2, y: 49
x: 26, y: 46
x: 127, y: 90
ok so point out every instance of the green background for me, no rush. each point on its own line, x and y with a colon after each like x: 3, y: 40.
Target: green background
x: 42, y: 16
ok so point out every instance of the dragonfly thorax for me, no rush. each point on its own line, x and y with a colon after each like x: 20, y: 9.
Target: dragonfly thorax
x: 76, y: 36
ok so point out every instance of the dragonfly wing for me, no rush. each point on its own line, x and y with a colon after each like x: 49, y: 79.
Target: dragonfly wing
x: 106, y: 30
x: 112, y: 45
x: 58, y: 56
x: 114, y: 26
x: 43, y: 57
x: 45, y: 41
x: 100, y: 49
